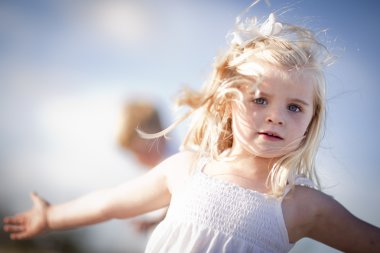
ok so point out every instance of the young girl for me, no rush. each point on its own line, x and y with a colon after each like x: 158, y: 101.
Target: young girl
x: 245, y: 179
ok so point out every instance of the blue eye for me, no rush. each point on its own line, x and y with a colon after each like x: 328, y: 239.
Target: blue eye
x: 260, y: 101
x: 294, y: 108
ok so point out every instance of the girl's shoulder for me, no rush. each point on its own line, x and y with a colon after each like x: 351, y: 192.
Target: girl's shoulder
x: 178, y: 168
x: 302, y: 207
x: 182, y: 160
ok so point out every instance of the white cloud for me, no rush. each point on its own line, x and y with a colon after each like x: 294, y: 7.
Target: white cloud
x: 122, y: 22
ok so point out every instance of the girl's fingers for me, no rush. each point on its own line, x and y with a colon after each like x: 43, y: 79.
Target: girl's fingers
x: 13, y: 228
x: 17, y: 236
x: 20, y: 235
x: 17, y: 232
x: 14, y: 236
x: 15, y: 220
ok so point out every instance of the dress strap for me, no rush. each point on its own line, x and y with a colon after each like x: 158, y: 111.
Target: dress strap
x: 200, y: 164
x: 302, y: 181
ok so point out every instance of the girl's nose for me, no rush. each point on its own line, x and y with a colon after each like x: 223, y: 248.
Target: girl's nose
x: 275, y: 116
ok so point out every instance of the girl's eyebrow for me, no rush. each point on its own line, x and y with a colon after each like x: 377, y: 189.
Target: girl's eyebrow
x: 300, y: 101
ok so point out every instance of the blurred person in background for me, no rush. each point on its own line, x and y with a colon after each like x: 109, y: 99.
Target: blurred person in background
x: 143, y: 114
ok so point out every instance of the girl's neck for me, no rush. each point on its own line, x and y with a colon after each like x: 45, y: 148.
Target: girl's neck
x: 253, y: 165
x: 248, y: 171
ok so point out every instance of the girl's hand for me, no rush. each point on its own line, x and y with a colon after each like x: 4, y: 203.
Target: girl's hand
x: 29, y: 223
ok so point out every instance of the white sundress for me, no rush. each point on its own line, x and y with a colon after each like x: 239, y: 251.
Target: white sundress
x: 214, y: 216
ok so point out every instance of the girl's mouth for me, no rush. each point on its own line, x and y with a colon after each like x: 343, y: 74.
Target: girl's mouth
x: 271, y: 135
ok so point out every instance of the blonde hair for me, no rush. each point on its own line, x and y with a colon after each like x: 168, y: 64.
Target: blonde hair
x: 285, y: 46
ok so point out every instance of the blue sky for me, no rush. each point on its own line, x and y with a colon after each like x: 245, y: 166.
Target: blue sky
x: 66, y: 67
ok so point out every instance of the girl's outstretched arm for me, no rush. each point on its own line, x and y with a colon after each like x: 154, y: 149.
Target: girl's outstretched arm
x: 327, y: 221
x: 143, y: 194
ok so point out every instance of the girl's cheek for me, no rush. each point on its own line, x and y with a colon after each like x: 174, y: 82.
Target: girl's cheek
x: 300, y: 123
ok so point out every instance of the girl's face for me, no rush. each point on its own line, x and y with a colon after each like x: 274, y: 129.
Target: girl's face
x: 273, y: 119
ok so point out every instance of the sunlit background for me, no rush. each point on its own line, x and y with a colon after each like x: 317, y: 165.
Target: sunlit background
x: 66, y: 68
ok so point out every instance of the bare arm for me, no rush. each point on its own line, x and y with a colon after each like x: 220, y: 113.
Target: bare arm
x: 143, y: 194
x: 335, y: 226
x: 324, y: 219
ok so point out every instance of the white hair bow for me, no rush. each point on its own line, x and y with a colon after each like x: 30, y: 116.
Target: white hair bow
x: 270, y: 27
x: 252, y: 29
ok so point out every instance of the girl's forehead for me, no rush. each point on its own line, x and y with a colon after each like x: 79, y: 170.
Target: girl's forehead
x: 292, y: 83
x: 283, y: 75
x: 260, y: 73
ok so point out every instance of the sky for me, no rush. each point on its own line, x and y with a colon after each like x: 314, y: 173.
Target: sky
x: 66, y: 68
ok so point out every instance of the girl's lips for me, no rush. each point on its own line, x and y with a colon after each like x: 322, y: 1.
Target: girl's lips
x: 271, y: 135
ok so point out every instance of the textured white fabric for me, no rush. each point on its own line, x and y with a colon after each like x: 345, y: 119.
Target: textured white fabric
x: 214, y: 216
